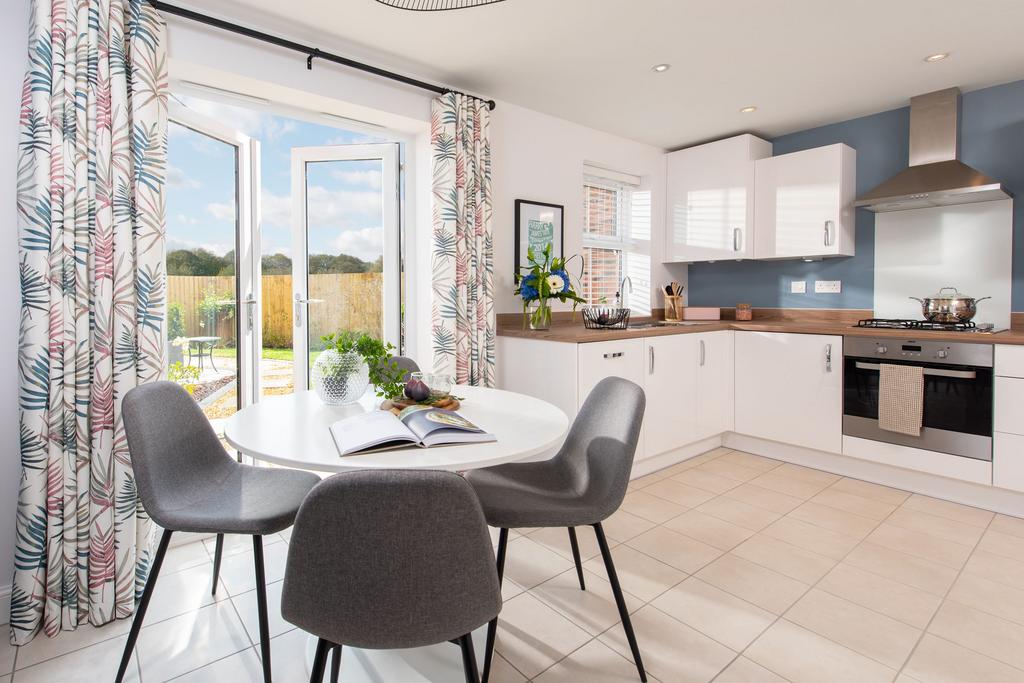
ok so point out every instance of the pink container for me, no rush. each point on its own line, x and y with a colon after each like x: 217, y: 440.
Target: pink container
x: 699, y: 313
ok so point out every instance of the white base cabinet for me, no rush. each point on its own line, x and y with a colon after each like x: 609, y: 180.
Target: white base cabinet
x: 803, y: 207
x: 1008, y: 418
x: 687, y: 380
x: 789, y: 388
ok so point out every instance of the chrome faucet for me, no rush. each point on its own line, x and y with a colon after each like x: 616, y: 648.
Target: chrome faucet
x: 620, y: 295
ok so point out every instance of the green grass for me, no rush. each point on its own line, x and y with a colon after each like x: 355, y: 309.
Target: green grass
x: 268, y: 354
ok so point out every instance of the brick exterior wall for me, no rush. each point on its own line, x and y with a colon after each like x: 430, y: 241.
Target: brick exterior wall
x: 602, y: 268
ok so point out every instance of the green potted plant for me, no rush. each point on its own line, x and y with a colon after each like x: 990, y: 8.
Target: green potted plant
x: 349, y: 363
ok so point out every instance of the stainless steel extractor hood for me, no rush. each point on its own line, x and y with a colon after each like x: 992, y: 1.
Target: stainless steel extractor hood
x: 935, y: 176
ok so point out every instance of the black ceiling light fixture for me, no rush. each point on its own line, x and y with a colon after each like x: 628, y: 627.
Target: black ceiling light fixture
x: 436, y: 5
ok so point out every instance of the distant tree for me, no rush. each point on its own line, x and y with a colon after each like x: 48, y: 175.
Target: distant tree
x: 228, y: 267
x: 276, y: 264
x: 194, y: 262
x: 377, y: 266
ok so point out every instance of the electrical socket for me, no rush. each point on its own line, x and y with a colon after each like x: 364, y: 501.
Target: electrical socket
x: 828, y: 286
x: 798, y: 287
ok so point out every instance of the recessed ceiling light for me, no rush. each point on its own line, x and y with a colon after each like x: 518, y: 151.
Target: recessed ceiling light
x: 937, y: 57
x: 661, y: 68
x: 748, y: 110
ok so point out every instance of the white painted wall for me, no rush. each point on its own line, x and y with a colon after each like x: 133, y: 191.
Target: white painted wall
x: 13, y: 57
x: 540, y: 157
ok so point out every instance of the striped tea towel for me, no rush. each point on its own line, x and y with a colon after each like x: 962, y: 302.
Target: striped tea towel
x: 901, y: 398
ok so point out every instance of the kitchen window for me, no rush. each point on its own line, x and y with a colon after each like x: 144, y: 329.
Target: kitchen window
x: 616, y: 238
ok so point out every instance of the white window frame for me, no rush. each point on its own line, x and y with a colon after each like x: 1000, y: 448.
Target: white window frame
x: 625, y: 241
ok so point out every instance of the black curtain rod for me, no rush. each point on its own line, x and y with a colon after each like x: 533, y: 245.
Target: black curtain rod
x: 310, y: 52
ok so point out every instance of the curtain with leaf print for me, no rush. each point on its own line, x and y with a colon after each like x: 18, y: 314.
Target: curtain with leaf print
x: 463, y: 251
x: 91, y: 170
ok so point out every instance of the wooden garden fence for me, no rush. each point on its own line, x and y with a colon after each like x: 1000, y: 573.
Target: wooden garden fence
x: 349, y: 301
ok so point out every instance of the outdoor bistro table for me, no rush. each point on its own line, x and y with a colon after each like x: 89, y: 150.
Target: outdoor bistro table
x: 201, y: 343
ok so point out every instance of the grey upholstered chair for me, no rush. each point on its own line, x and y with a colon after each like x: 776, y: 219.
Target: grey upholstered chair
x: 188, y: 482
x: 385, y: 559
x: 408, y: 364
x: 583, y: 484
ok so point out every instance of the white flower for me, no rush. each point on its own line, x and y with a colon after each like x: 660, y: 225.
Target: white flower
x: 556, y: 283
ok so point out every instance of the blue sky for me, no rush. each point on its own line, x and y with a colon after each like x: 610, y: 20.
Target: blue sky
x: 343, y: 196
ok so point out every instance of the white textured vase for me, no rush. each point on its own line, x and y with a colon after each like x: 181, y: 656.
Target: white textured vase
x: 340, y: 378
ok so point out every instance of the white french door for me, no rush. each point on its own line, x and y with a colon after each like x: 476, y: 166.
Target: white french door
x: 220, y: 313
x: 346, y: 264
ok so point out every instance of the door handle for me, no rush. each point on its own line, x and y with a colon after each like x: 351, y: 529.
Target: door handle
x: 702, y: 353
x: 737, y: 237
x: 299, y: 302
x: 250, y: 304
x: 828, y: 358
x: 931, y: 372
x: 650, y: 352
x: 617, y: 354
x: 829, y: 227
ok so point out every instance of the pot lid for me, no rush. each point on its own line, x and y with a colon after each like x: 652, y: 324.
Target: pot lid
x: 949, y: 293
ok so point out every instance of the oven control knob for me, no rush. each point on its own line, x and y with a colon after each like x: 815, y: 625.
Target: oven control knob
x: 941, y: 353
x: 881, y: 349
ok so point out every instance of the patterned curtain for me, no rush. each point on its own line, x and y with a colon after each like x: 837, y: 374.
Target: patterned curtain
x: 91, y: 169
x: 463, y: 258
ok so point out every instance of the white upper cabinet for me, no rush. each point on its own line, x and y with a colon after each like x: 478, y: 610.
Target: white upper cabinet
x: 803, y: 206
x: 710, y: 191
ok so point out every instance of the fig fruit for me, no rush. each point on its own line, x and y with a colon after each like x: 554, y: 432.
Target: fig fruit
x: 417, y: 390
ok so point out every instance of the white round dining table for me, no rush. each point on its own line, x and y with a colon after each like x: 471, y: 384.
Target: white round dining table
x: 293, y: 430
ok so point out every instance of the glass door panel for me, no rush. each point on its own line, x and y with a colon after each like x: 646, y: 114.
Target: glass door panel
x: 212, y: 328
x: 345, y: 240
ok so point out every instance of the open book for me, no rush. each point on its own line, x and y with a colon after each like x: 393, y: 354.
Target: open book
x: 415, y: 426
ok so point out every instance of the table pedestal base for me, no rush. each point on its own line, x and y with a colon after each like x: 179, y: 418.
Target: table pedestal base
x: 441, y: 663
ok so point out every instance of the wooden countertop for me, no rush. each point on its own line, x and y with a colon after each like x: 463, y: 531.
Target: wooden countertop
x: 576, y: 333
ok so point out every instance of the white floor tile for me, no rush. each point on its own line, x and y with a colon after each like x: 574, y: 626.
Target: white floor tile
x: 191, y: 641
x: 43, y: 647
x: 246, y: 606
x: 594, y: 663
x: 97, y: 662
x: 238, y: 571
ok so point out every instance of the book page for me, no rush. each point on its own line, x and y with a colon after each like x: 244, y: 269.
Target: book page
x: 371, y: 430
x: 436, y: 426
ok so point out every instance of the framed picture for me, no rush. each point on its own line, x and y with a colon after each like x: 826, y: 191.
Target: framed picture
x: 538, y: 225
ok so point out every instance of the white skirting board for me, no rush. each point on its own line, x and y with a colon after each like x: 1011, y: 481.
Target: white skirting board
x: 964, y: 492
x: 668, y: 458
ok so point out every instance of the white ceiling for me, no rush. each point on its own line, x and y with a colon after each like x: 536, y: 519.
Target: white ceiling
x: 801, y: 62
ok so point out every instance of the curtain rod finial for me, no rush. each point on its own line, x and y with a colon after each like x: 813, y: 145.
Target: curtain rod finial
x: 312, y: 55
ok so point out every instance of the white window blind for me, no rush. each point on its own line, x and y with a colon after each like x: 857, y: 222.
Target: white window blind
x: 616, y: 238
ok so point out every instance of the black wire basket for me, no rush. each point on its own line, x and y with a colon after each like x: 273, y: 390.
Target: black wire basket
x: 605, y: 318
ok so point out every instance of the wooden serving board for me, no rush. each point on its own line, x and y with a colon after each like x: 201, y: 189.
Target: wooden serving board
x: 449, y: 403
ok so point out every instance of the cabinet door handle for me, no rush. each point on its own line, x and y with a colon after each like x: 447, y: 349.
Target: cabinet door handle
x: 828, y: 358
x: 829, y: 230
x: 702, y: 354
x: 737, y: 238
x: 617, y: 354
x: 650, y: 352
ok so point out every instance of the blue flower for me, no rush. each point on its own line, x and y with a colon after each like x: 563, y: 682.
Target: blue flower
x: 528, y: 288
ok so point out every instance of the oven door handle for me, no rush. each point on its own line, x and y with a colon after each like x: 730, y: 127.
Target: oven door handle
x: 932, y: 372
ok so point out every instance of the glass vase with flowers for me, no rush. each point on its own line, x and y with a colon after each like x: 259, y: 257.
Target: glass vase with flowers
x: 545, y: 279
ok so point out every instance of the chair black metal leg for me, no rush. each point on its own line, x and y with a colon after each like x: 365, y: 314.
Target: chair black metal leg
x: 218, y: 554
x: 613, y: 579
x: 319, y: 661
x: 140, y: 609
x: 469, y: 659
x: 502, y: 547
x: 336, y: 664
x: 576, y: 557
x: 492, y: 627
x: 261, y: 603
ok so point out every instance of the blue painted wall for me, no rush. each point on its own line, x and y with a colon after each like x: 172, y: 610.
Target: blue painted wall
x: 992, y: 140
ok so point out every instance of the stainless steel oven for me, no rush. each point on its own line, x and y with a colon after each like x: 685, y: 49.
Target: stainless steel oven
x: 957, y: 393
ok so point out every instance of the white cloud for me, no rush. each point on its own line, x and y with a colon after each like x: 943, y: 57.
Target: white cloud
x: 174, y: 244
x: 176, y: 177
x: 371, y: 179
x: 221, y: 211
x: 186, y: 220
x: 364, y: 243
x: 325, y: 207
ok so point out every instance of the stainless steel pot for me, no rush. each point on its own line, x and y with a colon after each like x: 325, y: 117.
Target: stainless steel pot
x: 949, y: 306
